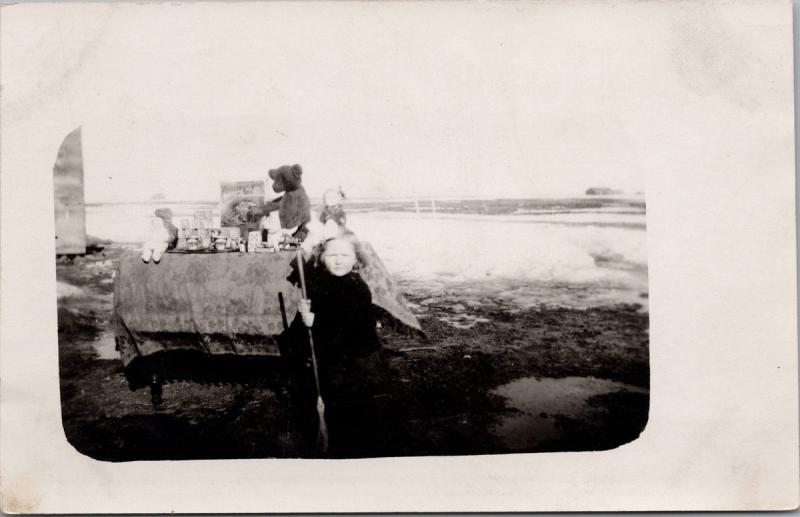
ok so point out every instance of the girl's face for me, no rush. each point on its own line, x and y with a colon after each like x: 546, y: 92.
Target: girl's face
x: 339, y: 257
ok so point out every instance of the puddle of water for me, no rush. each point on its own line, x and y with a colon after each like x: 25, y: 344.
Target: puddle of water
x: 539, y: 401
x: 105, y: 346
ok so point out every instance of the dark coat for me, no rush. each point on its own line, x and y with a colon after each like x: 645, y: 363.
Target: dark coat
x: 344, y: 322
x: 349, y: 359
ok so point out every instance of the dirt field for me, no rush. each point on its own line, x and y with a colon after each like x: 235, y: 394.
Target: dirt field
x: 518, y: 380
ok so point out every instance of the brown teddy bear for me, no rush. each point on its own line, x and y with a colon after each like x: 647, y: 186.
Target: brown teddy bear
x: 294, y: 207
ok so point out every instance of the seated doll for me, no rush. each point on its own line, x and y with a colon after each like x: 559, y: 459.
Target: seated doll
x: 158, y: 238
x: 165, y: 214
x: 332, y: 200
x: 330, y: 222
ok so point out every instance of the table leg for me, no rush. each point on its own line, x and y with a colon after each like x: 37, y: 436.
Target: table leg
x: 156, y: 392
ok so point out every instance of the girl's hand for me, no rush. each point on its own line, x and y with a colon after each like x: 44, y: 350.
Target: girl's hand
x: 307, y: 248
x: 304, y: 307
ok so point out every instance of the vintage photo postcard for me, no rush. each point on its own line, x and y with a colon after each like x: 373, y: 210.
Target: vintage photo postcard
x: 397, y: 257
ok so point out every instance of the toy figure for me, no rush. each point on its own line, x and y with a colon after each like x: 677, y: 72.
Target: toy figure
x: 294, y: 207
x: 271, y: 225
x: 332, y: 210
x: 157, y: 241
x: 165, y: 214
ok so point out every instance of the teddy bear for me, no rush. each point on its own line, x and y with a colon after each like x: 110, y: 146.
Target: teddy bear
x: 158, y: 238
x: 293, y: 207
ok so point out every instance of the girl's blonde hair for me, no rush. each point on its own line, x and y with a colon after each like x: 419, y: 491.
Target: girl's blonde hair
x: 350, y: 237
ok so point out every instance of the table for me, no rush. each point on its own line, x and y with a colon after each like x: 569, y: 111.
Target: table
x: 208, y: 308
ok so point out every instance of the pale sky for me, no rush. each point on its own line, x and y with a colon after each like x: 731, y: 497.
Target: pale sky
x: 391, y: 99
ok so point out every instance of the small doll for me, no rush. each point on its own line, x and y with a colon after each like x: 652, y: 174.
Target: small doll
x: 158, y: 238
x: 165, y: 214
x: 330, y: 222
x: 332, y: 210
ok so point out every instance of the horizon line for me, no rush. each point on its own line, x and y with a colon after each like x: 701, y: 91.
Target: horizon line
x: 394, y: 198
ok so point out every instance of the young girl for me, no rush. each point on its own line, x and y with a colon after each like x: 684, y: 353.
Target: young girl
x: 350, y: 364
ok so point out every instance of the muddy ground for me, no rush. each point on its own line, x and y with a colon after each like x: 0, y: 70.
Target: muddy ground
x: 541, y: 379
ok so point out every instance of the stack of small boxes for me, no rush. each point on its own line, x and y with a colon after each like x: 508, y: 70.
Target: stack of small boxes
x: 202, y: 236
x: 254, y: 242
x: 202, y: 239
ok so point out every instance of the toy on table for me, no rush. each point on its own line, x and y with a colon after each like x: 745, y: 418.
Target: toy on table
x: 271, y: 231
x: 333, y: 210
x: 165, y: 214
x: 157, y: 240
x: 277, y: 238
x: 206, y: 239
x: 253, y: 241
x: 271, y: 237
x: 203, y: 219
x: 329, y: 223
x: 293, y: 207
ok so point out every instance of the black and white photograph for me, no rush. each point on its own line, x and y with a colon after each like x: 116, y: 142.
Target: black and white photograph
x: 366, y: 234
x: 422, y: 257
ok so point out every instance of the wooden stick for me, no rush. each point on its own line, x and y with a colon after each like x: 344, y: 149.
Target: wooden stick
x: 322, y: 435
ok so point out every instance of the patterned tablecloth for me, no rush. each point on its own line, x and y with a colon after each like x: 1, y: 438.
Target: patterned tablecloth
x: 223, y: 303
